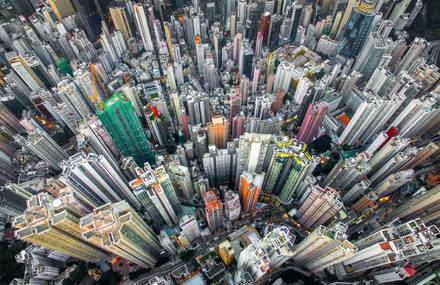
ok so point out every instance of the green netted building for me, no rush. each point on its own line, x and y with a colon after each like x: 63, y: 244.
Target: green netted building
x: 121, y: 122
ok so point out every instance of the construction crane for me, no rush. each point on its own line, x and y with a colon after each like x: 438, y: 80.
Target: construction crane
x: 95, y: 98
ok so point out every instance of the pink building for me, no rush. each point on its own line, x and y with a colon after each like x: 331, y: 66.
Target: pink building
x: 312, y: 120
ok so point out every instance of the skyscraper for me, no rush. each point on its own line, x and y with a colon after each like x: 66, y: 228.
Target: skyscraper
x: 121, y: 22
x: 218, y: 132
x: 190, y: 228
x: 44, y: 225
x: 348, y: 172
x: 220, y: 164
x: 398, y: 10
x: 238, y: 126
x: 320, y: 205
x: 89, y: 16
x: 418, y: 117
x: 312, y: 120
x: 415, y: 50
x: 323, y: 248
x: 11, y: 203
x: 245, y: 59
x: 370, y: 117
x: 154, y: 197
x: 251, y: 154
x: 181, y: 180
x: 289, y: 165
x: 198, y: 108
x: 76, y: 101
x: 372, y: 53
x: 249, y: 189
x: 357, y: 29
x: 91, y: 134
x: 385, y: 248
x: 61, y: 8
x: 266, y: 254
x: 97, y: 179
x: 283, y: 77
x: 10, y: 121
x: 125, y: 128
x: 42, y: 145
x: 423, y: 206
x: 232, y: 205
x: 301, y: 90
x: 142, y: 25
x: 23, y: 69
x: 213, y: 211
x: 117, y: 228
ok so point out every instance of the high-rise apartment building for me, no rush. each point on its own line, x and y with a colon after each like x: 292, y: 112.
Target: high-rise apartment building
x: 117, y: 228
x: 232, y: 205
x: 415, y: 50
x: 283, y: 77
x: 372, y: 53
x: 312, y: 120
x: 23, y: 69
x: 323, y: 248
x: 121, y: 21
x: 418, y: 117
x: 251, y: 154
x: 370, y: 117
x: 249, y: 189
x: 124, y: 127
x: 393, y: 182
x: 92, y: 137
x: 320, y: 205
x: 388, y: 151
x: 238, y: 126
x: 213, y: 211
x: 304, y: 85
x: 142, y: 26
x: 357, y: 29
x: 218, y: 132
x: 198, y: 109
x: 266, y: 254
x: 44, y: 225
x: 423, y: 206
x: 220, y: 164
x: 348, y: 172
x: 190, y: 228
x: 153, y: 197
x: 97, y: 179
x: 76, y: 101
x: 290, y: 164
x: 41, y: 144
x: 11, y: 203
x: 412, y: 242
x: 181, y: 179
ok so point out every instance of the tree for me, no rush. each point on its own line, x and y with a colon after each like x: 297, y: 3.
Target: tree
x: 64, y: 67
x: 110, y: 278
x: 187, y: 255
x: 322, y: 144
x: 9, y: 268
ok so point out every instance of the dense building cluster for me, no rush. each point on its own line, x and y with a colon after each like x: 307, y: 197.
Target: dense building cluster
x: 219, y: 142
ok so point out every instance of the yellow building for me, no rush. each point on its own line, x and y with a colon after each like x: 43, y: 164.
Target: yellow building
x: 57, y: 228
x: 61, y: 8
x: 119, y: 229
x: 218, y: 132
x: 226, y: 252
x: 120, y: 21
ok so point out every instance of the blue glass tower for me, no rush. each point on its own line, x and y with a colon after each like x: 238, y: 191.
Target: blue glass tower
x: 358, y: 27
